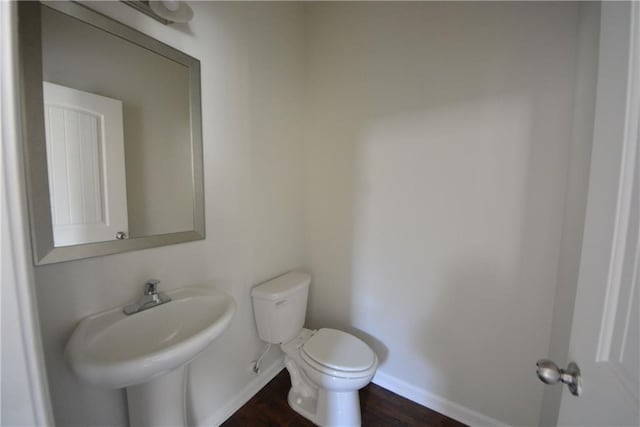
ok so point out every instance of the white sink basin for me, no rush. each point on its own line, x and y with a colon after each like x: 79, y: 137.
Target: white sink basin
x: 114, y: 350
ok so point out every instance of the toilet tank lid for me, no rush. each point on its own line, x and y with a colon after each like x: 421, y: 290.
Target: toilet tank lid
x: 281, y: 286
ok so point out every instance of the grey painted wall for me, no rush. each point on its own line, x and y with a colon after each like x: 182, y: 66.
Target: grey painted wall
x: 438, y: 153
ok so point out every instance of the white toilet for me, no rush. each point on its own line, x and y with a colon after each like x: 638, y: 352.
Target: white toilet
x: 327, y: 366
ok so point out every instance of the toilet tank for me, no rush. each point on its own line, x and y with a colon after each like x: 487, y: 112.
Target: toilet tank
x: 280, y: 305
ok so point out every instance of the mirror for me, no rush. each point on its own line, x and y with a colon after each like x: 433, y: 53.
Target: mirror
x: 113, y: 139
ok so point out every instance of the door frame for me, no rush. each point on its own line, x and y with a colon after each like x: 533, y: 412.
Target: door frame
x: 23, y: 368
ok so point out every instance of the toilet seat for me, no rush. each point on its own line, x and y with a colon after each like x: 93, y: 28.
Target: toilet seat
x: 338, y: 353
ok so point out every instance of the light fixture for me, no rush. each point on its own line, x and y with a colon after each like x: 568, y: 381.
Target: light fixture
x: 172, y: 10
x: 165, y: 11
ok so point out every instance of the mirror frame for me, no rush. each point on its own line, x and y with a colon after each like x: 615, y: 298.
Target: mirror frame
x: 33, y: 135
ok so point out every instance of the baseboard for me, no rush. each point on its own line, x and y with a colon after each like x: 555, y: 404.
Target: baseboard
x: 397, y: 386
x: 236, y: 402
x: 437, y: 403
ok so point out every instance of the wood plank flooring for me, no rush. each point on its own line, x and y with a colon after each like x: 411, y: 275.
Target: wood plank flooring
x: 380, y: 408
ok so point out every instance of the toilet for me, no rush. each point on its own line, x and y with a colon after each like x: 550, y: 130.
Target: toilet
x: 327, y: 366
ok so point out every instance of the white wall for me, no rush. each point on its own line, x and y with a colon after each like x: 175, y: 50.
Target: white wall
x: 251, y: 59
x: 437, y: 154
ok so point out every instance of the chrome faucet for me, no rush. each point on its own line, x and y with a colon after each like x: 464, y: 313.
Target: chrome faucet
x: 151, y: 289
x: 151, y: 298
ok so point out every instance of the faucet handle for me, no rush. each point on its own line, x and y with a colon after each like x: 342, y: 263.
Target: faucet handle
x: 150, y: 288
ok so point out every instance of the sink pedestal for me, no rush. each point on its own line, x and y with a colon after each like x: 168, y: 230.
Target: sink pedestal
x: 159, y: 402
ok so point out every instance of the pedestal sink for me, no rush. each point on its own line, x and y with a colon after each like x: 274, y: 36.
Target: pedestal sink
x: 147, y: 352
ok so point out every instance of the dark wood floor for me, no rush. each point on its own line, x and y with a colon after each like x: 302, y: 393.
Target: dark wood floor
x: 380, y: 408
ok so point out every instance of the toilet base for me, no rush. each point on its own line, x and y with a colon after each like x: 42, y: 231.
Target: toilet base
x: 303, y: 405
x: 322, y: 407
x: 329, y: 409
x: 339, y: 409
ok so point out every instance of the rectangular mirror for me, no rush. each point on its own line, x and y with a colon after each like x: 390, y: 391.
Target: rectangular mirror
x: 113, y: 135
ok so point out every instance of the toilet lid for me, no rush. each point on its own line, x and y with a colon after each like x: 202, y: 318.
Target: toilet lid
x: 339, y: 350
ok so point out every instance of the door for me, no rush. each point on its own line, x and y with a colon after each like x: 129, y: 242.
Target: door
x: 606, y: 327
x: 85, y: 156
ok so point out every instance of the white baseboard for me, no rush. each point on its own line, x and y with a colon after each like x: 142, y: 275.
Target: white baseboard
x: 397, y: 386
x: 437, y: 403
x: 251, y: 389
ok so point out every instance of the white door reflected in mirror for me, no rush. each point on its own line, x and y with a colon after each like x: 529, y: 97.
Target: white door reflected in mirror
x: 85, y: 154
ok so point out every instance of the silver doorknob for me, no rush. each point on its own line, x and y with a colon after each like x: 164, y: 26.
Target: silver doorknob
x: 549, y: 373
x: 121, y: 235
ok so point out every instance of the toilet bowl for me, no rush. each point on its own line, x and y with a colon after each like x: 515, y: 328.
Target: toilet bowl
x: 327, y: 366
